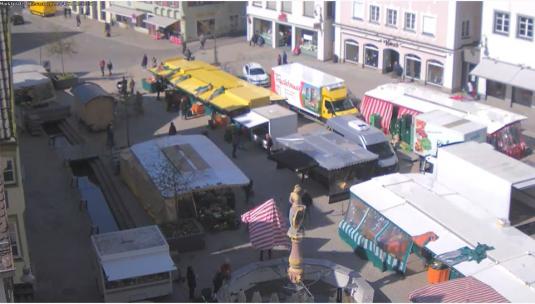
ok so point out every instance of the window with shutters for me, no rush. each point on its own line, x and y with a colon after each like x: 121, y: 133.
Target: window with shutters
x: 374, y: 13
x: 410, y: 22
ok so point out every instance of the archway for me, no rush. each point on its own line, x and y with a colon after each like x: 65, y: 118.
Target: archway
x: 390, y: 57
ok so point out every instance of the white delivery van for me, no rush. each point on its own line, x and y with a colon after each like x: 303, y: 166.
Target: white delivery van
x: 368, y: 137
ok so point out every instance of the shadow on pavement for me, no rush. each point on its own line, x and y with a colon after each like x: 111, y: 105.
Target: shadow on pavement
x: 23, y: 42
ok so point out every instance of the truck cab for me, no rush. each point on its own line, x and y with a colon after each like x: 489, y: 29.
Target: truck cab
x: 368, y: 137
x: 336, y: 103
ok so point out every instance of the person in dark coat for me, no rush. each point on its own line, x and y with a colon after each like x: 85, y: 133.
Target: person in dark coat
x: 284, y: 57
x: 184, y: 104
x: 184, y: 46
x: 154, y: 62
x: 109, y: 135
x: 110, y: 66
x: 235, y: 141
x: 172, y: 129
x: 124, y: 86
x: 102, y: 65
x: 202, y: 39
x: 144, y: 61
x: 78, y: 20
x: 132, y: 86
x: 269, y: 143
x: 192, y: 282
x: 279, y: 59
x: 107, y: 29
x: 65, y: 12
x: 306, y: 199
x: 159, y: 87
x: 248, y: 189
x: 218, y: 281
x: 187, y: 54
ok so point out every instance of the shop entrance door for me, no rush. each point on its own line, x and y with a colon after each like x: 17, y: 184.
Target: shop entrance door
x: 284, y: 36
x: 390, y: 57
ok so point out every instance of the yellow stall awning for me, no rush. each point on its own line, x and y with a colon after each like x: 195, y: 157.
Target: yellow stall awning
x: 189, y: 85
x: 228, y: 103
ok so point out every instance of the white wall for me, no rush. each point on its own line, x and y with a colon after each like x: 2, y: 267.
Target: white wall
x: 508, y: 48
x: 487, y: 191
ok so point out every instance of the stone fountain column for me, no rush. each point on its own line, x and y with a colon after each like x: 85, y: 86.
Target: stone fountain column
x: 296, y: 234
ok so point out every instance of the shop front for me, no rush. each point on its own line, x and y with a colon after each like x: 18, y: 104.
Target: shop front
x: 307, y: 41
x: 413, y: 66
x: 435, y: 73
x: 351, y: 53
x: 264, y: 28
x: 162, y: 27
x: 284, y: 38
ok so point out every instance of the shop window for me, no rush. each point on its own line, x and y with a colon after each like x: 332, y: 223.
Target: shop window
x: 522, y: 96
x: 308, y: 8
x: 374, y: 13
x: 524, y: 27
x: 465, y: 29
x: 391, y: 17
x: 14, y: 237
x: 429, y: 25
x: 495, y: 89
x: 271, y: 5
x: 352, y: 51
x: 371, y: 56
x: 358, y: 9
x: 287, y: 6
x: 10, y: 176
x: 257, y: 3
x: 410, y: 22
x: 435, y: 72
x: 412, y: 66
x: 501, y: 23
x: 308, y: 41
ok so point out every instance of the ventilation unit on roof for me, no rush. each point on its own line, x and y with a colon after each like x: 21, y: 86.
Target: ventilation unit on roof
x: 359, y: 126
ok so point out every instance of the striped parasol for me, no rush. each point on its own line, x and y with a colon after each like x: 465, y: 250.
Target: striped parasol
x: 463, y: 290
x: 267, y: 227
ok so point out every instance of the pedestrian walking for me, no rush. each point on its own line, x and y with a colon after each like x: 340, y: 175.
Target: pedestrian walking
x: 65, y: 12
x: 184, y: 104
x: 226, y: 269
x: 132, y: 86
x: 110, y: 67
x: 144, y: 61
x: 202, y: 39
x: 109, y: 136
x: 78, y: 20
x: 268, y: 143
x: 254, y: 39
x: 235, y: 140
x: 192, y: 282
x: 124, y: 86
x: 154, y: 62
x: 107, y: 29
x: 217, y: 281
x: 284, y: 57
x: 172, y: 129
x: 102, y: 65
x: 187, y: 54
x: 69, y: 12
x: 248, y: 189
x: 184, y: 46
x: 262, y: 254
x: 279, y: 59
x: 159, y: 87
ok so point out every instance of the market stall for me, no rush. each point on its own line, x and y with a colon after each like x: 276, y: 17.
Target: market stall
x: 447, y: 220
x: 177, y: 177
x: 93, y: 106
x: 133, y: 265
x: 341, y: 163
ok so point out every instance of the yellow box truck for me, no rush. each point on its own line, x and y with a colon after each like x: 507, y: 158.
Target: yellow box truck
x: 43, y: 8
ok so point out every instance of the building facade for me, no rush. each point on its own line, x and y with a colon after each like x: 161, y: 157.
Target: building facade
x: 507, y: 67
x: 171, y: 18
x: 434, y: 42
x: 13, y: 244
x: 303, y: 25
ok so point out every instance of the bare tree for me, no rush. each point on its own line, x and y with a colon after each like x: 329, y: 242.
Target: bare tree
x: 61, y: 47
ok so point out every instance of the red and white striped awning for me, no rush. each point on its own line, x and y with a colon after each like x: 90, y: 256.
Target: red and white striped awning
x: 370, y: 106
x: 267, y: 227
x: 402, y: 111
x: 463, y: 290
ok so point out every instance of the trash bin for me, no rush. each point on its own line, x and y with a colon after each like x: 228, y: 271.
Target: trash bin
x: 437, y: 272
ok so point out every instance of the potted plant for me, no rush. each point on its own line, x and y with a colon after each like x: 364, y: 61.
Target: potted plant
x: 61, y: 47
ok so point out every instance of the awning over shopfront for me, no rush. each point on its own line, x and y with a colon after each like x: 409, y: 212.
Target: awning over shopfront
x: 496, y: 70
x: 123, y: 11
x: 160, y: 21
x: 251, y: 119
x: 525, y: 79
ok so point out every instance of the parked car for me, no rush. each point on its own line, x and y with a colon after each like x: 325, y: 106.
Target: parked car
x: 255, y: 74
x: 17, y: 20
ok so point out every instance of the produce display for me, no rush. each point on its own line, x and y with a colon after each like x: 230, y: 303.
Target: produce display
x: 182, y: 228
x: 422, y: 141
x: 216, y: 210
